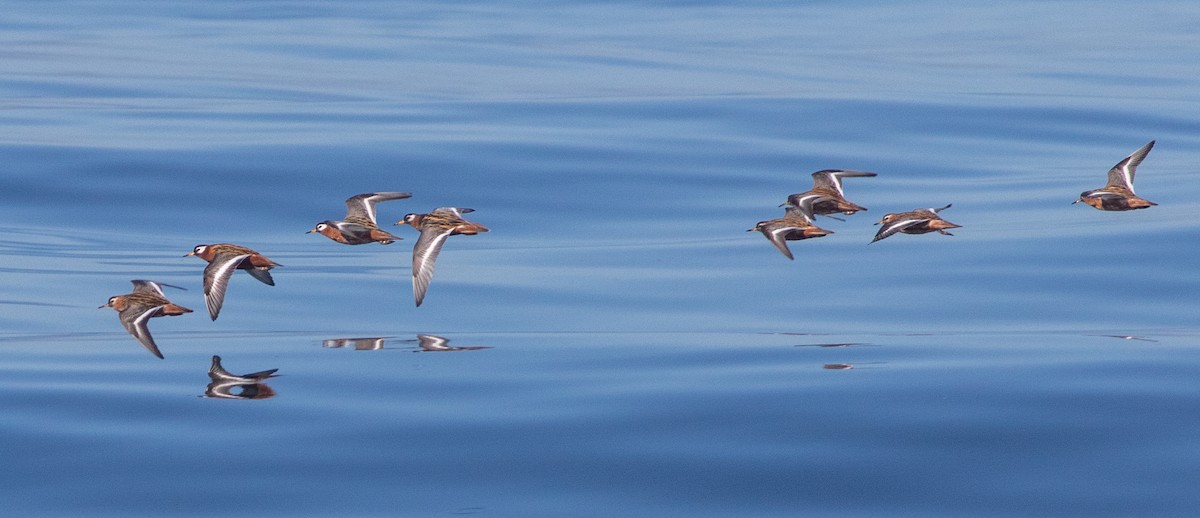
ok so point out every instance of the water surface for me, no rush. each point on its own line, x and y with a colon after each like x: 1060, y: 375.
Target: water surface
x: 626, y: 346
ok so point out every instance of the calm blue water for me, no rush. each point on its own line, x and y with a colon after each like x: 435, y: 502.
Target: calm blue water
x: 628, y: 348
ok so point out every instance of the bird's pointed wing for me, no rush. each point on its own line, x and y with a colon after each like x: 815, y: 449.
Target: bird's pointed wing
x: 896, y: 226
x: 135, y: 320
x: 776, y: 237
x: 931, y: 212
x: 152, y: 287
x: 216, y: 278
x: 832, y: 178
x: 1121, y: 175
x: 263, y: 276
x: 457, y: 211
x: 425, y: 253
x: 363, y: 205
x: 802, y: 205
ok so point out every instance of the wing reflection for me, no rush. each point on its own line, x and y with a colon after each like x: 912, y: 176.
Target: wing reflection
x: 232, y: 390
x: 844, y: 344
x: 848, y: 366
x: 359, y: 344
x: 1129, y: 337
x: 226, y: 385
x: 434, y: 343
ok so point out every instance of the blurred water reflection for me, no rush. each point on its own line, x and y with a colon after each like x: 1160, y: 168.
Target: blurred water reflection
x: 359, y: 344
x: 432, y: 343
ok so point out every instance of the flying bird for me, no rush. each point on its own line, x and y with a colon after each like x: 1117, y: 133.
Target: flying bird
x: 796, y: 224
x: 1118, y: 193
x: 920, y: 221
x: 827, y: 195
x: 435, y: 227
x: 223, y: 259
x: 359, y: 227
x: 135, y: 309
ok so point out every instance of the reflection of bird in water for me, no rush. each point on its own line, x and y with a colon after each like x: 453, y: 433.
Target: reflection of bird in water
x: 846, y: 344
x: 360, y: 344
x: 220, y: 390
x: 217, y: 372
x: 848, y: 366
x: 248, y: 386
x: 1129, y: 337
x: 433, y: 344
